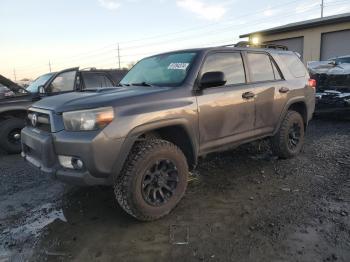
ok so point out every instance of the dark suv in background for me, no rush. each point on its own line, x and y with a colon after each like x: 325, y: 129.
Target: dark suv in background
x: 145, y: 136
x: 14, y: 104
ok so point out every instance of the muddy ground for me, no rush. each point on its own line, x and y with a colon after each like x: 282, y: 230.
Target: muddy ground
x: 242, y: 205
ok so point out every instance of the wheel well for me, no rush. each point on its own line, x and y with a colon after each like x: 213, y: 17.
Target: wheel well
x: 300, y: 107
x: 178, y: 136
x: 13, y: 113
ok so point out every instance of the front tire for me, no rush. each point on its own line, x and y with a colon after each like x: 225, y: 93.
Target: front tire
x: 289, y: 139
x: 153, y: 180
x: 10, y: 135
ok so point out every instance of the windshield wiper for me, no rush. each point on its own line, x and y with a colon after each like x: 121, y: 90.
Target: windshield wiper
x: 142, y: 84
x: 123, y: 84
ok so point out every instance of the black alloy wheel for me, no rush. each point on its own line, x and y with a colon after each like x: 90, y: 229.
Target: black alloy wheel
x: 294, y: 136
x: 159, y: 182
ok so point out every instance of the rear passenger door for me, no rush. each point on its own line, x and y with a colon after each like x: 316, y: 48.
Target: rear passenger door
x: 267, y: 83
x: 224, y: 114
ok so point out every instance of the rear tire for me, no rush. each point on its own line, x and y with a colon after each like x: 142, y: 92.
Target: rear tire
x: 289, y: 139
x: 10, y: 135
x: 153, y: 180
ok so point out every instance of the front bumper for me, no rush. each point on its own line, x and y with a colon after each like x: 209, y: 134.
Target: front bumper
x: 332, y: 102
x: 98, y: 153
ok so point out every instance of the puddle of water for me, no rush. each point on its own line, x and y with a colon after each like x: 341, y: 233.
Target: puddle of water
x: 16, y: 243
x: 36, y: 221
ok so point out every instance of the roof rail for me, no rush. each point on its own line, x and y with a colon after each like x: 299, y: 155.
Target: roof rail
x: 88, y: 69
x: 262, y: 45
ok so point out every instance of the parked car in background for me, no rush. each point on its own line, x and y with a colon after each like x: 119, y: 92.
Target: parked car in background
x: 14, y: 103
x: 143, y: 137
x: 333, y: 84
x: 5, y: 92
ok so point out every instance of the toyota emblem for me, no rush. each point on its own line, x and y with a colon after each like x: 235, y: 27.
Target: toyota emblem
x: 34, y: 119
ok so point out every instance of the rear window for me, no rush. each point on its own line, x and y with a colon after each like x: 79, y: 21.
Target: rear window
x: 294, y: 64
x: 93, y: 80
x: 260, y: 67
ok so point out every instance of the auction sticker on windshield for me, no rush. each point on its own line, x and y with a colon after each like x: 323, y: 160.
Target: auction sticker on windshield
x: 178, y: 66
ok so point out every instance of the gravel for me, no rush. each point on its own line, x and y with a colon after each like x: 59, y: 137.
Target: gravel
x: 241, y: 205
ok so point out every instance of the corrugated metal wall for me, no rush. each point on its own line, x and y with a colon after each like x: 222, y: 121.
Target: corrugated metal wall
x: 294, y: 44
x: 335, y: 44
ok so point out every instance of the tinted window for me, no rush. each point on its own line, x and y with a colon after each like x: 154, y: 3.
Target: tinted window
x: 260, y: 67
x: 276, y: 72
x: 161, y: 70
x: 96, y: 81
x: 33, y: 87
x: 294, y: 64
x: 342, y: 60
x: 229, y: 63
x: 63, y: 82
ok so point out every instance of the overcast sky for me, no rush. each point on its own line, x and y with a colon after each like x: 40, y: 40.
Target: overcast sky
x: 86, y: 32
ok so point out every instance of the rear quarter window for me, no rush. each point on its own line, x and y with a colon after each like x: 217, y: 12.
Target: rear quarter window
x: 294, y: 64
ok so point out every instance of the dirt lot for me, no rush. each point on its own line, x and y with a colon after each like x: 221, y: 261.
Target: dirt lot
x: 242, y: 205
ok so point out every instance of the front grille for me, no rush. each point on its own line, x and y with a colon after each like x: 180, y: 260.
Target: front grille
x: 42, y: 121
x: 328, y: 82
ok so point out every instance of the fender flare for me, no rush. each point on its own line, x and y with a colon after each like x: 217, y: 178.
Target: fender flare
x: 285, y: 110
x: 134, y: 134
x: 13, y: 108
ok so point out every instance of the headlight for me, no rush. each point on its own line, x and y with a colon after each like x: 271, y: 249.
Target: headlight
x: 84, y: 120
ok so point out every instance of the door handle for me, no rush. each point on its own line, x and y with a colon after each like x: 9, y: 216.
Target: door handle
x: 284, y: 89
x: 248, y: 95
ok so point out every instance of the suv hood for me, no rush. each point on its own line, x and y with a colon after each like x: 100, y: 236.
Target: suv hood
x: 323, y: 67
x: 9, y: 84
x: 87, y: 99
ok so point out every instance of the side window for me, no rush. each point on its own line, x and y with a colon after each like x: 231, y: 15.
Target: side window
x: 230, y: 64
x: 93, y: 80
x: 276, y: 72
x: 260, y: 67
x: 294, y: 64
x: 63, y: 82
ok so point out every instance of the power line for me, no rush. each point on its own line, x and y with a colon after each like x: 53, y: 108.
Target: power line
x: 194, y: 37
x: 177, y: 32
x: 159, y: 43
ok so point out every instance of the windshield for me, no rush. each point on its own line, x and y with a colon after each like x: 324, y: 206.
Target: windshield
x: 160, y: 70
x: 342, y: 60
x: 41, y: 80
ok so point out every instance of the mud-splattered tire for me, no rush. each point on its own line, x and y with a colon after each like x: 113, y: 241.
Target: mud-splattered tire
x: 289, y: 139
x: 10, y: 135
x: 153, y: 180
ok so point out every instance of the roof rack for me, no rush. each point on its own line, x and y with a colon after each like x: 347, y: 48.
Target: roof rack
x: 88, y: 69
x: 262, y: 45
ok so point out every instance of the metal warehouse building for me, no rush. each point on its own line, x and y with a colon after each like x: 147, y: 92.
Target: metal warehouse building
x: 316, y: 39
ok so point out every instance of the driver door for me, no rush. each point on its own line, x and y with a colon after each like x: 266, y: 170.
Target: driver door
x: 63, y: 82
x: 226, y: 113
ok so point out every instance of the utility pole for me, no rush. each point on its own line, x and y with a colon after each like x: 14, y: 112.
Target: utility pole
x: 50, y: 66
x: 119, y: 56
x: 322, y: 6
x: 14, y: 74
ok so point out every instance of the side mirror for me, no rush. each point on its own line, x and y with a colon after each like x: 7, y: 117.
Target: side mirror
x: 41, y: 90
x: 212, y: 79
x: 333, y: 63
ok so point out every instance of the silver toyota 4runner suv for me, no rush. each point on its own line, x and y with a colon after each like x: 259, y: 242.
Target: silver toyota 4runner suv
x: 143, y: 137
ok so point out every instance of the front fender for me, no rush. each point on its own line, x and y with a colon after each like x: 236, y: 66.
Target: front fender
x: 137, y: 131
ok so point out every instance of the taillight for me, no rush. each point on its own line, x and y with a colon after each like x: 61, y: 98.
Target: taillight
x: 312, y: 83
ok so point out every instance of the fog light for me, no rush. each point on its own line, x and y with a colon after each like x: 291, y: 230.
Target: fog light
x: 77, y: 163
x: 71, y: 162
